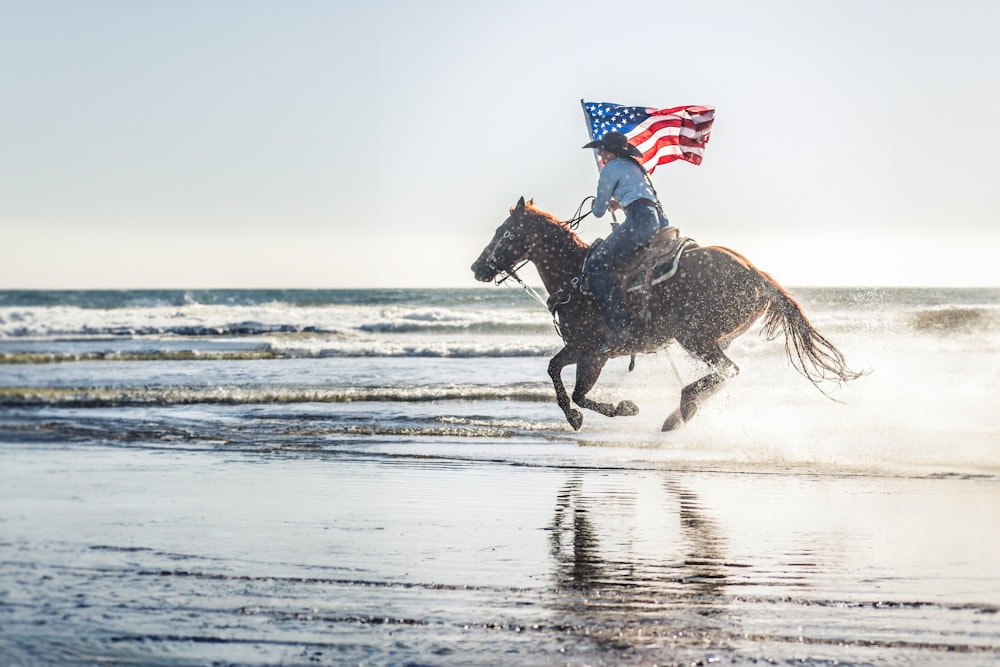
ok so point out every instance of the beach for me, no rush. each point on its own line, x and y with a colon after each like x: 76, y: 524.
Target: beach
x: 383, y: 478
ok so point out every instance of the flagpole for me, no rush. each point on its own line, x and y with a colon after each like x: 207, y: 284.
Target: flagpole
x: 597, y: 159
x: 590, y: 132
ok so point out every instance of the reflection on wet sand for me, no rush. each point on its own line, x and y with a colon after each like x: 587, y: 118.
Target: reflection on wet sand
x: 637, y: 558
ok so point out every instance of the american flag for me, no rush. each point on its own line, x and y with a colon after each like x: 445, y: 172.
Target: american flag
x: 663, y: 135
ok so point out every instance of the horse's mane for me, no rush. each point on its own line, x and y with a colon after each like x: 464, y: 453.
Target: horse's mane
x: 531, y: 209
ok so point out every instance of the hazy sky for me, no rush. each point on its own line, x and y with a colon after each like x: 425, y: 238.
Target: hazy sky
x: 378, y: 144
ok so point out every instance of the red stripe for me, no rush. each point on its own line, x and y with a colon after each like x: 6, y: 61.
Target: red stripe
x: 672, y: 148
x: 674, y: 143
x: 703, y: 129
x: 692, y: 109
x: 665, y: 152
x: 706, y: 114
x: 676, y: 139
x: 681, y: 122
x: 693, y: 158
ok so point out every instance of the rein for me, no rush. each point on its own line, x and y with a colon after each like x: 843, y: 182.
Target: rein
x: 574, y: 222
x: 512, y: 272
x: 532, y: 292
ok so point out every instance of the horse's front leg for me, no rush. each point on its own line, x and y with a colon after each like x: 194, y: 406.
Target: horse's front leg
x: 588, y: 369
x: 562, y: 359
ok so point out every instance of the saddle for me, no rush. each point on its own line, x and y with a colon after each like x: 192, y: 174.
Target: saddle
x: 658, y: 263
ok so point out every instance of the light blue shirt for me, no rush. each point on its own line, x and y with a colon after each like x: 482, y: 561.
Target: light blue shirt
x: 623, y: 179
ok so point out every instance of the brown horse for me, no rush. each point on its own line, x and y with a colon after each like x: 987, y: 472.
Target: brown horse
x: 715, y: 296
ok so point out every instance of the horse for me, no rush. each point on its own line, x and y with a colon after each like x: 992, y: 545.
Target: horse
x: 715, y: 295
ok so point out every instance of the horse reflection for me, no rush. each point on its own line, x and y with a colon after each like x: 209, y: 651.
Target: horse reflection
x: 574, y: 543
x: 613, y: 545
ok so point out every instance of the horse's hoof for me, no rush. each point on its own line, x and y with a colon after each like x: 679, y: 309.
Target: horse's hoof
x: 626, y: 409
x: 674, y: 421
x: 575, y: 418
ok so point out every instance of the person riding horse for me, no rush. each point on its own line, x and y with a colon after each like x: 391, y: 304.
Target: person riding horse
x: 714, y: 296
x: 622, y: 185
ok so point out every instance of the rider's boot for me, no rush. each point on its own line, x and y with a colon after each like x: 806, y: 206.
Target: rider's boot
x: 617, y: 341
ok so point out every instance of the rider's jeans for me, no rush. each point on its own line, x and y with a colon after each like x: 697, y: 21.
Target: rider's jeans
x: 625, y: 242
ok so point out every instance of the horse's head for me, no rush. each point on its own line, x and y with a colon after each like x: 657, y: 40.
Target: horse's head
x: 510, y: 245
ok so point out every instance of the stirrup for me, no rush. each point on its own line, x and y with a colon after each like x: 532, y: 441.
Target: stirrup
x: 618, y: 341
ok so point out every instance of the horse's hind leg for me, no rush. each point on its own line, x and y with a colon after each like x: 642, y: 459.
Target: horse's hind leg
x: 721, y: 368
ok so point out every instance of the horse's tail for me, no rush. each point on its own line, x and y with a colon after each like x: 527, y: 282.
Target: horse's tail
x: 809, y: 351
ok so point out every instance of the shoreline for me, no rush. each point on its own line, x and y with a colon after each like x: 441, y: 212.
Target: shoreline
x: 166, y: 556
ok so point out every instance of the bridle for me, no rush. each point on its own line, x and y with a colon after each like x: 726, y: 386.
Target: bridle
x: 491, y: 259
x: 505, y: 274
x: 508, y: 235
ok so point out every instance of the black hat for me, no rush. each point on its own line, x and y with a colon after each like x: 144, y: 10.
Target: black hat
x: 617, y: 143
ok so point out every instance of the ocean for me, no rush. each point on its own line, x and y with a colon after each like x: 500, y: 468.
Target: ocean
x: 383, y: 477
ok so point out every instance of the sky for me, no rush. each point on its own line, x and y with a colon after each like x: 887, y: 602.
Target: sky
x: 308, y: 144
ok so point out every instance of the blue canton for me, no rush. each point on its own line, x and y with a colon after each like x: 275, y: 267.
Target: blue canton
x: 605, y: 117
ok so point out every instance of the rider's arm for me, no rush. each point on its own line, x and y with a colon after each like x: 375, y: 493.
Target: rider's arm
x: 605, y: 188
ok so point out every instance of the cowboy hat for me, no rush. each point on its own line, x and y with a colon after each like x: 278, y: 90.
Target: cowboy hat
x: 617, y: 143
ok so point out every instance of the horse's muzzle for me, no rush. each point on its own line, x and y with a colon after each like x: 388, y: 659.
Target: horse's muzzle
x: 483, y: 270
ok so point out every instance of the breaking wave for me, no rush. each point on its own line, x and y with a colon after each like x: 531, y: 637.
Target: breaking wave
x: 241, y: 395
x: 294, y: 348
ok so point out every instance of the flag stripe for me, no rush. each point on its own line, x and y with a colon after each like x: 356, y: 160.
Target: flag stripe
x: 647, y: 129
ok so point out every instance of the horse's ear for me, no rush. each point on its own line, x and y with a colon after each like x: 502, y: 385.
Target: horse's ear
x: 519, y: 206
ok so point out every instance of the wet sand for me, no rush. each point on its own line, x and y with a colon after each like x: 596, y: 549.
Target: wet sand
x: 138, y: 555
